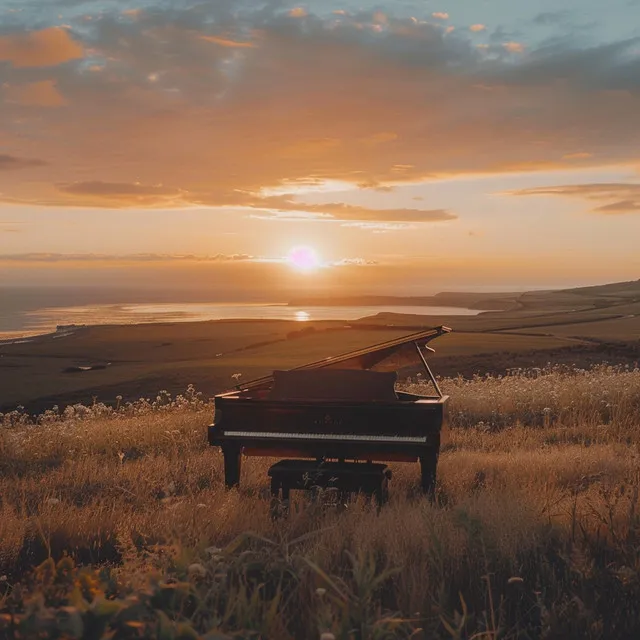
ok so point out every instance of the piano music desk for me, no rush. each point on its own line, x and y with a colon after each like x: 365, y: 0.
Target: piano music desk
x: 369, y: 478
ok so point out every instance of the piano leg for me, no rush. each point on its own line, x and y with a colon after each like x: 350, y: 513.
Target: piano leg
x: 232, y: 466
x: 428, y: 464
x: 275, y: 498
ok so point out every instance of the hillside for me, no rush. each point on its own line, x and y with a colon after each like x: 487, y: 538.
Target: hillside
x: 577, y: 326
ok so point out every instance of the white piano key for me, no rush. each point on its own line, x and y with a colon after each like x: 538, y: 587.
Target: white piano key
x: 340, y: 437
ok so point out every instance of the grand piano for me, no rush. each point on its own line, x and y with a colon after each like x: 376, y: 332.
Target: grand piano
x: 343, y: 408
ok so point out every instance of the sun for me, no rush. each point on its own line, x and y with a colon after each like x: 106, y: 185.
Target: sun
x: 303, y: 259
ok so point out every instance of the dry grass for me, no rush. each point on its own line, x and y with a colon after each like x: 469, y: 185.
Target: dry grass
x: 536, y: 531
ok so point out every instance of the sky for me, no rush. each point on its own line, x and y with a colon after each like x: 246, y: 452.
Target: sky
x: 410, y: 146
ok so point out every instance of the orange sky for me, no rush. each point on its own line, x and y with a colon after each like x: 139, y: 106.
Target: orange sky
x: 414, y: 148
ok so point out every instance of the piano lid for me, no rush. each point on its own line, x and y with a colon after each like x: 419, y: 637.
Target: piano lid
x: 384, y: 356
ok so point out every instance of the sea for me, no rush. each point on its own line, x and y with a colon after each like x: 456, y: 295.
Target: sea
x: 30, y: 322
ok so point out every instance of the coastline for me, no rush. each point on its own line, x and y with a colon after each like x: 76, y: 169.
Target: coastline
x: 40, y: 323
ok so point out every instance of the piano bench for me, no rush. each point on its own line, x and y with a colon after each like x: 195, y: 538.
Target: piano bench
x: 370, y: 479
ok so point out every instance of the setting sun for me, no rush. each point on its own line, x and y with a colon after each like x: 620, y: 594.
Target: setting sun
x: 303, y: 259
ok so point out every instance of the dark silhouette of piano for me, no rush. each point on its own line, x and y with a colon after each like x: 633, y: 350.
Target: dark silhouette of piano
x: 343, y: 408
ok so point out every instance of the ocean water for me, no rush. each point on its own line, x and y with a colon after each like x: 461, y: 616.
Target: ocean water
x: 45, y: 320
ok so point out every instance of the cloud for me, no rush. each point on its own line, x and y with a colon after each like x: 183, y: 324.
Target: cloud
x: 513, y: 47
x: 476, y: 28
x: 35, y: 94
x: 357, y: 262
x: 281, y: 207
x: 114, y: 194
x: 116, y: 190
x: 580, y: 155
x: 228, y: 42
x: 45, y: 48
x: 138, y: 257
x: 286, y: 207
x: 8, y: 163
x: 440, y: 15
x: 212, y: 107
x: 620, y: 197
x: 10, y: 226
x: 380, y: 227
x: 298, y: 12
x: 350, y: 213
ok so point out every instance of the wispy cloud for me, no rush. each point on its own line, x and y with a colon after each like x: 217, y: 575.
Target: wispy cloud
x: 7, y: 162
x: 357, y: 262
x: 138, y: 257
x: 228, y: 42
x: 619, y: 197
x: 277, y: 207
x: 350, y: 213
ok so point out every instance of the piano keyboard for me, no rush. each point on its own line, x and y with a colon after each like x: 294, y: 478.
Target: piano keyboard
x: 346, y: 437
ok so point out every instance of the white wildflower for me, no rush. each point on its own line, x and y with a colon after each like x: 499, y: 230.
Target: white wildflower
x: 196, y: 570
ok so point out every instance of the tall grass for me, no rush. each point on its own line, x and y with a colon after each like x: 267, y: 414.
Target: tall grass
x: 535, y: 532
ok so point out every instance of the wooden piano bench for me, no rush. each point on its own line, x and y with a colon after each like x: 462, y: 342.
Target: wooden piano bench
x: 370, y: 479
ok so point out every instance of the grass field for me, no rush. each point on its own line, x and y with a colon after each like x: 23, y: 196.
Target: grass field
x: 626, y: 328
x: 535, y: 531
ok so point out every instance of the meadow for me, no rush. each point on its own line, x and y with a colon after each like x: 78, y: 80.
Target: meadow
x: 534, y: 533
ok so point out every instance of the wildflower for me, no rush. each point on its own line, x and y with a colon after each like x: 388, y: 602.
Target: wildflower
x: 53, y: 501
x: 196, y: 570
x: 320, y: 591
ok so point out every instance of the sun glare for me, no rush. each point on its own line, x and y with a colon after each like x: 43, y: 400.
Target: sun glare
x: 303, y: 259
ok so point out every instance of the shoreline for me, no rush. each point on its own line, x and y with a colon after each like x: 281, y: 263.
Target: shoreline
x: 187, y: 313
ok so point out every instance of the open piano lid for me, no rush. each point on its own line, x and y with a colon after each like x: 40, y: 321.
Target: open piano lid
x: 384, y: 356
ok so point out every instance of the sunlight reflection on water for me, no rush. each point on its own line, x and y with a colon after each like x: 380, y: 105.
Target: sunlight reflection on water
x: 45, y: 320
